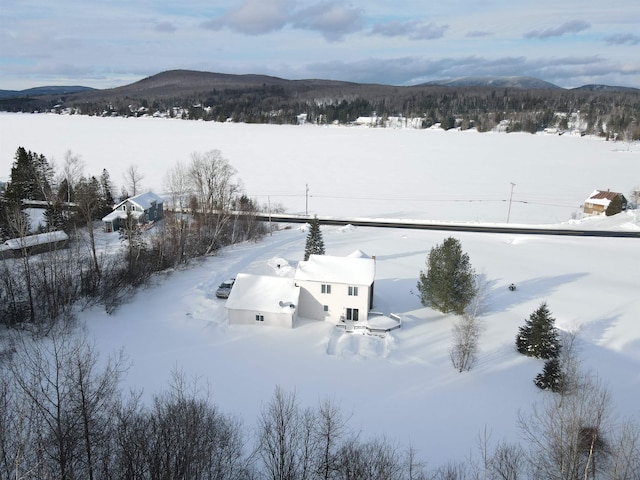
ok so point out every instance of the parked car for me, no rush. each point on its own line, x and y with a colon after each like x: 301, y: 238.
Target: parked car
x: 224, y: 289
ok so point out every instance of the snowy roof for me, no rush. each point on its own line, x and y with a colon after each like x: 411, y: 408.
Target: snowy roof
x: 144, y: 200
x: 39, y: 239
x: 602, y: 197
x: 347, y: 270
x: 119, y: 214
x: 263, y: 293
x: 358, y: 254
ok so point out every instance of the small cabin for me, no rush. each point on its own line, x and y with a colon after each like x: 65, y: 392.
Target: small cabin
x: 599, y: 201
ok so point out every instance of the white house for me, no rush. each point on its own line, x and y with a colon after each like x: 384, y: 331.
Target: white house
x: 263, y: 300
x: 336, y: 288
x: 146, y: 207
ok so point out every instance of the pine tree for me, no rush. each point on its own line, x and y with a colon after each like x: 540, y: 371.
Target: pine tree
x: 615, y: 206
x: 315, y: 243
x: 538, y: 337
x: 31, y: 177
x: 449, y: 283
x: 106, y: 189
x: 552, y: 377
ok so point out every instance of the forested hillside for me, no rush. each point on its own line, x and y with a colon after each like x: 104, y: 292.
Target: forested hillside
x: 601, y: 110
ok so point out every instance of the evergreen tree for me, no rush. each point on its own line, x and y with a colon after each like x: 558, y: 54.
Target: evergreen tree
x: 30, y: 178
x: 54, y: 216
x: 106, y: 189
x: 615, y: 206
x: 552, y: 377
x: 449, y: 283
x: 315, y: 243
x: 538, y: 337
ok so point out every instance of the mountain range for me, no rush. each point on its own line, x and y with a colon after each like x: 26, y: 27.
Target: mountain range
x: 177, y: 82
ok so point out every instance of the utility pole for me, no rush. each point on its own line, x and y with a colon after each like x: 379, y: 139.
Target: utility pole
x: 510, y: 199
x: 269, y: 206
x: 306, y: 200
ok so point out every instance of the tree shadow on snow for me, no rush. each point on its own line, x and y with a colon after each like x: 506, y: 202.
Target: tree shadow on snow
x: 500, y: 298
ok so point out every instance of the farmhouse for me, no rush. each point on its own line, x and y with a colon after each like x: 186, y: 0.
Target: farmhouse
x: 337, y: 289
x: 263, y: 300
x: 599, y: 201
x: 145, y: 208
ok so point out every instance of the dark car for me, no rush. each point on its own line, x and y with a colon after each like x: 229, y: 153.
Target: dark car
x: 224, y: 289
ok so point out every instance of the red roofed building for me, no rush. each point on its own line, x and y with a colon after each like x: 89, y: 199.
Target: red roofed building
x: 599, y: 201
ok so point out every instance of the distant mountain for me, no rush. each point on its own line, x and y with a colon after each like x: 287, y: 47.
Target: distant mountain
x: 606, y: 88
x: 525, y: 83
x: 484, y: 103
x: 42, y: 91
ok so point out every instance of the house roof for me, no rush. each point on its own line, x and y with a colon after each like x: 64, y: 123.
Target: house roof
x: 119, y: 214
x: 346, y: 270
x: 144, y: 200
x: 263, y: 293
x: 38, y: 239
x: 603, y: 197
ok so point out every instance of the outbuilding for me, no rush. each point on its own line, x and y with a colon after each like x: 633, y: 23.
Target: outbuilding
x: 263, y: 300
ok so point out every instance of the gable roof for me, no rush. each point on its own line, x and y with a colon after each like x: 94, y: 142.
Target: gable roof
x: 346, y: 270
x: 602, y: 197
x: 144, y: 200
x: 263, y: 293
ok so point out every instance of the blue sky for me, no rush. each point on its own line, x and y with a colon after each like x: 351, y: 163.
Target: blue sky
x: 105, y: 44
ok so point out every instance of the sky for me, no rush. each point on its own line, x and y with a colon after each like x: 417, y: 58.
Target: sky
x: 105, y: 44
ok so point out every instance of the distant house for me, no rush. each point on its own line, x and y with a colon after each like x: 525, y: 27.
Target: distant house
x: 34, y: 244
x: 263, y: 300
x: 146, y: 207
x: 338, y: 289
x: 599, y: 201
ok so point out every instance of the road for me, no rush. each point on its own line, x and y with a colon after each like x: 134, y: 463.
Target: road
x: 448, y: 227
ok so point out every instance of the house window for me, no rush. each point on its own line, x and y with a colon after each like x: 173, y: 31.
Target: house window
x: 326, y: 288
x: 352, y: 314
x: 326, y: 308
x: 353, y: 291
x: 259, y: 318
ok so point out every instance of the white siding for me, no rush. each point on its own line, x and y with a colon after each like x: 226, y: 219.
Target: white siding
x: 248, y: 317
x: 312, y: 301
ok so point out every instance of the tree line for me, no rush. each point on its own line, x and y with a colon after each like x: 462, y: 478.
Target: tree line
x: 64, y: 415
x: 40, y: 289
x: 611, y: 113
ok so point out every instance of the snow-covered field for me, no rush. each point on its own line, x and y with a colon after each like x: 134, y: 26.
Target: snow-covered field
x: 401, y: 385
x: 354, y: 171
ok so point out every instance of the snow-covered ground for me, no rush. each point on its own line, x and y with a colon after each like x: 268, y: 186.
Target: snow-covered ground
x: 401, y: 385
x: 350, y: 171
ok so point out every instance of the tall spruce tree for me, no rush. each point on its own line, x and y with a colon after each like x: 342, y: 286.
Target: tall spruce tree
x: 538, y: 337
x: 315, y: 242
x: 449, y: 283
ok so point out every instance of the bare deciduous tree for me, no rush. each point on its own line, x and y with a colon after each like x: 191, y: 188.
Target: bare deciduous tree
x: 133, y: 179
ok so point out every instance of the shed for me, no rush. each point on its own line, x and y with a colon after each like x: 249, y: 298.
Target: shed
x: 263, y: 300
x: 599, y: 201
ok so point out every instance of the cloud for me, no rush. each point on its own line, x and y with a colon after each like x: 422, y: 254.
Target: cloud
x: 574, y: 26
x: 165, y: 27
x: 413, y: 29
x: 332, y: 19
x: 623, y: 39
x: 258, y: 17
x: 254, y: 17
